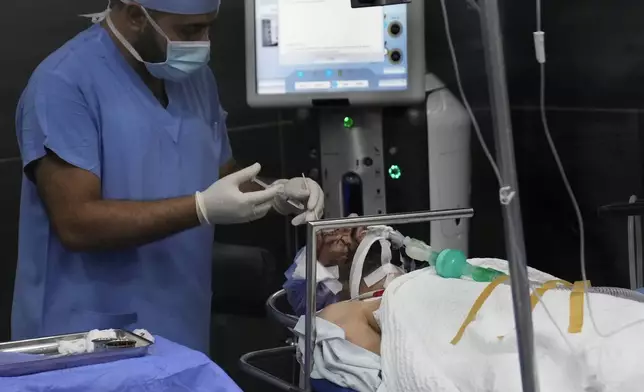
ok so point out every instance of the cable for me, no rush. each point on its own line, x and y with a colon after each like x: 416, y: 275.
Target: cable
x: 564, y: 177
x: 466, y: 103
x: 539, y: 39
x: 540, y: 54
x: 485, y: 148
x: 538, y: 15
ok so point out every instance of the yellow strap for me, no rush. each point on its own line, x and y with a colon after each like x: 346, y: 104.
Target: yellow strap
x: 551, y: 284
x: 477, y: 306
x: 576, y: 322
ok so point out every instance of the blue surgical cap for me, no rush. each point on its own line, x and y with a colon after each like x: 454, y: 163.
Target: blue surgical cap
x: 181, y: 7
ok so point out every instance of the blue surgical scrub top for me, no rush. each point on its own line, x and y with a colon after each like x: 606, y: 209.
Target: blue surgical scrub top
x: 86, y: 104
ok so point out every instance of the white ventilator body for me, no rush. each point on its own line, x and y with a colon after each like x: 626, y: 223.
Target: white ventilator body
x: 448, y: 139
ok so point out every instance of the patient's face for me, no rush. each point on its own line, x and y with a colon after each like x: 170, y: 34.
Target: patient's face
x: 337, y: 247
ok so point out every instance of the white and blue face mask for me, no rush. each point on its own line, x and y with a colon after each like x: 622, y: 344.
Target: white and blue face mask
x: 182, y: 57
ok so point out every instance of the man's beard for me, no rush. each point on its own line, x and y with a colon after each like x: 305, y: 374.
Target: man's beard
x: 147, y: 45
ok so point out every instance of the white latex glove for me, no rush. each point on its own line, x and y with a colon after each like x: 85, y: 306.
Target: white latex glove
x: 224, y: 203
x: 306, y: 191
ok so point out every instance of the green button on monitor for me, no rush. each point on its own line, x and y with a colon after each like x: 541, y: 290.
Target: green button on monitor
x: 348, y: 122
x: 395, y: 172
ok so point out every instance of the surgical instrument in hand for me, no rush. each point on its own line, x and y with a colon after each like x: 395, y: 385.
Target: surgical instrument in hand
x: 295, y: 204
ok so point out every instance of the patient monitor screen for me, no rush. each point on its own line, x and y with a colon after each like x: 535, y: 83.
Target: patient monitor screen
x: 317, y: 46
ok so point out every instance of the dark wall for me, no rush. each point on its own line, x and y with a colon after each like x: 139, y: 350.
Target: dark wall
x: 594, y: 71
x: 595, y: 53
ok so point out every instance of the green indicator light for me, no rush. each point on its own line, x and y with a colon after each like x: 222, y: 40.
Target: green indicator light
x: 348, y: 122
x: 395, y: 172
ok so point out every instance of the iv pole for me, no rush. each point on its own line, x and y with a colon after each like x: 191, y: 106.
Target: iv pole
x: 514, y: 239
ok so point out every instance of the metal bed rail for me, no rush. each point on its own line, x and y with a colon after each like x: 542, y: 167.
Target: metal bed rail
x: 275, y: 381
x: 287, y: 320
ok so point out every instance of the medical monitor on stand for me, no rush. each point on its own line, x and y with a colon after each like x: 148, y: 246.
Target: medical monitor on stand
x: 346, y: 64
x: 300, y: 53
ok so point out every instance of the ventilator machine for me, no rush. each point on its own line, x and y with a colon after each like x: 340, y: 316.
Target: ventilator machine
x: 344, y: 73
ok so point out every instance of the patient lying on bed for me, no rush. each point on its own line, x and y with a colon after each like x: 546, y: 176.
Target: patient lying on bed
x: 357, y: 317
x: 397, y: 344
x: 337, y: 248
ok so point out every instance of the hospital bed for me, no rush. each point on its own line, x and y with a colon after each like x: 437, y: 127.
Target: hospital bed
x: 279, y: 309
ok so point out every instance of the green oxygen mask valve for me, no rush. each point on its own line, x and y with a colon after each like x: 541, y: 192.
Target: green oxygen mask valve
x: 452, y: 264
x: 449, y: 263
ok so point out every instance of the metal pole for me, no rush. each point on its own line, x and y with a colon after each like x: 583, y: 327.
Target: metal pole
x: 311, y: 257
x: 632, y: 249
x: 311, y: 286
x: 495, y: 64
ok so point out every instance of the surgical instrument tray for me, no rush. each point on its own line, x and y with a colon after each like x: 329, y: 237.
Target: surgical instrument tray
x: 41, y: 354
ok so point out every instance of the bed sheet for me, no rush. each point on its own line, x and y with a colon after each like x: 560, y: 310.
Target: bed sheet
x: 417, y: 354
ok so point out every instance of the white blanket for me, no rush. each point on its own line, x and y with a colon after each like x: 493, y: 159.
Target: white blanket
x: 421, y: 313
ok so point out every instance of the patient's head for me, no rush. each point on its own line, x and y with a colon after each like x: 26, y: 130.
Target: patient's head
x: 337, y: 247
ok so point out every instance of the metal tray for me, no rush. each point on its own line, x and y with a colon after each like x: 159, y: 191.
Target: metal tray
x: 46, y: 357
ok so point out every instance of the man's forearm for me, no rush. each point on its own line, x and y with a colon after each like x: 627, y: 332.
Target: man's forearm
x: 107, y: 224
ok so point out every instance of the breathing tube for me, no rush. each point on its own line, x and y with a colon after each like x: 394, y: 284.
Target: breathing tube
x: 449, y: 263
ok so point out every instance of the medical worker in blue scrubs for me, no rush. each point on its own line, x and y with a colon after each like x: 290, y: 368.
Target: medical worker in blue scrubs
x: 127, y: 167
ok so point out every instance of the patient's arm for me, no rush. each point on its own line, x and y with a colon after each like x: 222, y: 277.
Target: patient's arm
x: 357, y: 320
